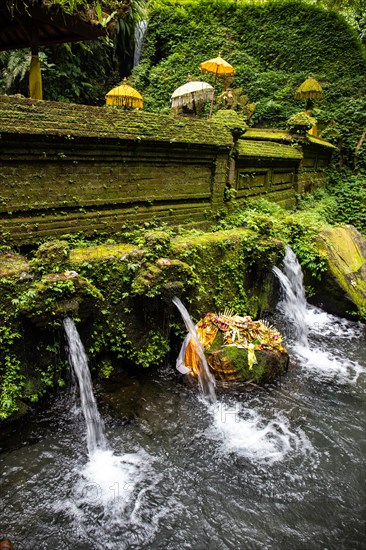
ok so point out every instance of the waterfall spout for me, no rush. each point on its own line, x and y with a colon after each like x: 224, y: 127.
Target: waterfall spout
x: 293, y: 303
x: 206, y: 379
x: 94, y: 425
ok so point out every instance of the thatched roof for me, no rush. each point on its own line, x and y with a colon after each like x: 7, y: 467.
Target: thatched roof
x: 27, y: 23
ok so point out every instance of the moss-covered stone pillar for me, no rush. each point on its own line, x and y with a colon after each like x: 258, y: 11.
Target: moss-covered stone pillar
x: 219, y: 178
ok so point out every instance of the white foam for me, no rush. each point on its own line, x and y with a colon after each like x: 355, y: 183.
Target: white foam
x: 321, y: 340
x: 116, y: 489
x: 328, y: 365
x: 249, y: 434
x: 110, y: 480
x: 326, y: 324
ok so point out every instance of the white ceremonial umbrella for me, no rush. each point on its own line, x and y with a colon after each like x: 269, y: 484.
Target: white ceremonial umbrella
x: 192, y: 93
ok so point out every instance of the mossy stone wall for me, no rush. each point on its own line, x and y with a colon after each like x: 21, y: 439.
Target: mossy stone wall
x: 313, y: 170
x: 277, y: 165
x: 273, y: 179
x: 53, y: 187
x: 67, y: 169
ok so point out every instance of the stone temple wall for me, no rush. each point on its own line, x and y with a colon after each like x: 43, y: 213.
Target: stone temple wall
x: 54, y: 188
x: 70, y: 168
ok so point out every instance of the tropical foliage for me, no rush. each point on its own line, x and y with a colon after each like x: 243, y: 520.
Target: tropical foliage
x: 81, y: 72
x: 274, y: 46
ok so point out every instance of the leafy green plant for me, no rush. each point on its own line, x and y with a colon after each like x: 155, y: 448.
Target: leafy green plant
x: 343, y: 201
x: 272, y: 46
x: 349, y: 192
x: 269, y: 220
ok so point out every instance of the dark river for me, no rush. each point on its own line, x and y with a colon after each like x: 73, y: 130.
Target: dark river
x: 281, y: 468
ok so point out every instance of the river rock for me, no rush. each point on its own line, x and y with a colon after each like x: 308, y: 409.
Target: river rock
x: 343, y: 287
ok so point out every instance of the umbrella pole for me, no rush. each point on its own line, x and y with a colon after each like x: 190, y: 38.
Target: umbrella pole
x: 213, y: 95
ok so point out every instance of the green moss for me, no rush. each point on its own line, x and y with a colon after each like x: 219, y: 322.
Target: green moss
x: 157, y: 242
x: 48, y: 118
x: 321, y: 142
x: 135, y: 320
x: 52, y: 298
x: 99, y: 252
x: 231, y: 266
x: 13, y: 264
x: 345, y: 254
x: 232, y: 121
x: 202, y: 239
x: 268, y: 134
x: 259, y: 149
x: 30, y: 367
x: 239, y: 357
x: 269, y: 366
x: 300, y: 122
x: 165, y: 277
x: 51, y: 256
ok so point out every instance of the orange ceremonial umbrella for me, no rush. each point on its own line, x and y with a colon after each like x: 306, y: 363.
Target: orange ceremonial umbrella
x: 219, y: 67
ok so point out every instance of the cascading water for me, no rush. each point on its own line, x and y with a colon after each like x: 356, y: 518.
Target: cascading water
x: 107, y: 479
x: 239, y: 429
x: 140, y: 31
x: 293, y: 303
x: 94, y: 425
x: 293, y: 455
x: 311, y: 326
x: 206, y: 379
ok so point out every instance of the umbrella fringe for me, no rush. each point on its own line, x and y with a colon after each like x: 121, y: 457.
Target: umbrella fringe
x: 188, y: 99
x: 308, y: 95
x: 120, y: 101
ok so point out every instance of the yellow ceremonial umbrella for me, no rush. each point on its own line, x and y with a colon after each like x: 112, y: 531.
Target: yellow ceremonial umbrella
x: 219, y: 67
x: 125, y: 96
x: 310, y: 89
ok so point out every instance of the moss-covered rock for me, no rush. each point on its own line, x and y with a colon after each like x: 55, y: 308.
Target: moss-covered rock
x: 49, y: 300
x: 237, y: 349
x: 31, y: 361
x: 51, y: 256
x: 233, y: 267
x: 12, y: 263
x: 231, y: 120
x: 300, y: 123
x: 164, y: 277
x: 231, y: 364
x: 120, y: 296
x: 157, y: 243
x: 343, y: 288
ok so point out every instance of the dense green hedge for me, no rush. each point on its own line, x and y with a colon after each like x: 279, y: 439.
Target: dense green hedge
x: 273, y: 47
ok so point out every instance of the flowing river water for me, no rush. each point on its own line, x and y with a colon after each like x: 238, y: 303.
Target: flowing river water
x: 281, y: 468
